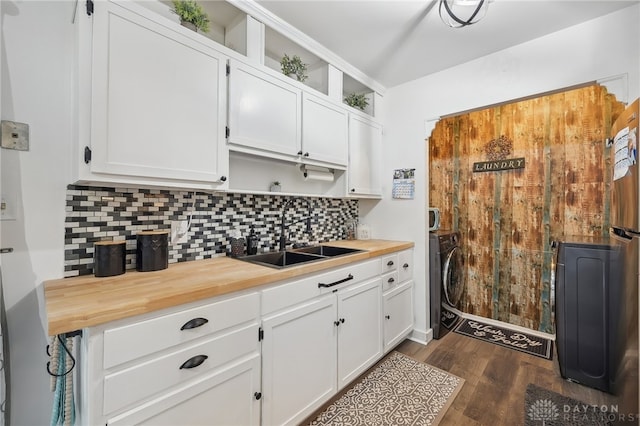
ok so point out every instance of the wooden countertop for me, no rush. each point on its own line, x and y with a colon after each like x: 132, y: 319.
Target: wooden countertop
x: 86, y: 301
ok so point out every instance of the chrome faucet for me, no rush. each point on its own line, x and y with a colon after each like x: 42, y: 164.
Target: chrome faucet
x: 284, y: 227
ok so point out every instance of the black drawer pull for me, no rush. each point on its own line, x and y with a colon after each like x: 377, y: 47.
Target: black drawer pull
x: 390, y: 263
x: 193, y: 362
x: 391, y: 280
x: 387, y: 316
x: 344, y: 280
x: 194, y: 323
x: 405, y: 266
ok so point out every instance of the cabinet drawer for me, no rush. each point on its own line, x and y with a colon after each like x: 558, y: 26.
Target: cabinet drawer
x: 390, y: 280
x: 126, y: 343
x: 148, y: 378
x: 389, y: 263
x: 284, y: 295
x: 405, y: 265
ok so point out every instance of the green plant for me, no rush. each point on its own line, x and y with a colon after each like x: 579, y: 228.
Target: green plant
x: 192, y: 12
x: 295, y: 66
x: 356, y: 100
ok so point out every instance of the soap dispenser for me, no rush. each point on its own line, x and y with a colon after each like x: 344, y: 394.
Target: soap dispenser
x: 252, y: 242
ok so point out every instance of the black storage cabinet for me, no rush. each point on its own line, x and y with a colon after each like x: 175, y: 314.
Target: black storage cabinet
x: 590, y: 312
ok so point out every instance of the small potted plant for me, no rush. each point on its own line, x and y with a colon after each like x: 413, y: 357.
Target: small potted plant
x: 356, y: 100
x: 275, y: 187
x: 294, y: 67
x: 191, y: 15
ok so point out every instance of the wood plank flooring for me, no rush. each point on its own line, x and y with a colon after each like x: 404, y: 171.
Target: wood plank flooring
x: 496, y: 379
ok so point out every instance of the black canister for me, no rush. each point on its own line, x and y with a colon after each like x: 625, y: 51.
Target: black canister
x: 152, y: 252
x: 109, y: 258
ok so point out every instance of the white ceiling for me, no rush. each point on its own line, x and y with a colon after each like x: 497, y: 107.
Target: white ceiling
x: 395, y: 41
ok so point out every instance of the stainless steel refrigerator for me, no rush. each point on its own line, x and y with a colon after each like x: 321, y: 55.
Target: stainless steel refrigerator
x: 625, y: 229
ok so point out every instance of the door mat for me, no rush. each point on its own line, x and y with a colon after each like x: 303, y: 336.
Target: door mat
x: 399, y: 391
x: 545, y: 407
x: 448, y: 319
x: 523, y: 342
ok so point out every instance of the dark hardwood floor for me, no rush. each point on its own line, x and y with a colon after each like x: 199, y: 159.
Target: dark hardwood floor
x: 496, y: 379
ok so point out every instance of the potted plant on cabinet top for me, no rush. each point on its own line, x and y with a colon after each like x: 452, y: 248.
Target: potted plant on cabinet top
x: 356, y: 100
x: 191, y: 15
x: 294, y: 67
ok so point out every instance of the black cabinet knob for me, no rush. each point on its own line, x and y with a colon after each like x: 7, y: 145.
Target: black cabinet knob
x: 306, y: 154
x: 223, y: 178
x: 257, y: 395
x: 390, y: 263
x: 300, y: 152
x: 353, y: 190
x: 387, y: 316
x: 342, y: 320
x: 405, y: 266
x: 336, y: 323
x: 391, y: 280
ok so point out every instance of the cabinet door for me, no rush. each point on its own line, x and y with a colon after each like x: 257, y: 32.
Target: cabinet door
x: 360, y: 329
x: 299, y: 361
x: 264, y: 113
x: 226, y: 398
x: 365, y: 161
x: 158, y: 99
x: 324, y: 131
x: 398, y: 314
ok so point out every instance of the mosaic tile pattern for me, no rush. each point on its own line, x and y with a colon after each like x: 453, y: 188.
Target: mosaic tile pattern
x: 95, y: 213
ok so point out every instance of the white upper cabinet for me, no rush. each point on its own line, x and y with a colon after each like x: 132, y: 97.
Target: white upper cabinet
x: 157, y: 96
x: 264, y: 113
x: 365, y: 157
x: 270, y: 117
x: 324, y: 131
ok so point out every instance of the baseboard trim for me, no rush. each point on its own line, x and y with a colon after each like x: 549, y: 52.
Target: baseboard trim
x: 422, y: 337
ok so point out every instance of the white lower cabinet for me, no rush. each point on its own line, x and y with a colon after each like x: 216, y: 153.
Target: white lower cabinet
x: 312, y: 350
x: 226, y: 398
x: 195, y: 365
x: 398, y: 314
x: 360, y: 329
x: 299, y: 360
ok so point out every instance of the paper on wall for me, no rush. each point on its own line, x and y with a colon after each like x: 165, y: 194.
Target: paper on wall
x: 626, y: 148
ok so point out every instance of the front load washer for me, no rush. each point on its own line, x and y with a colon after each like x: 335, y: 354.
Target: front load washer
x: 446, y: 282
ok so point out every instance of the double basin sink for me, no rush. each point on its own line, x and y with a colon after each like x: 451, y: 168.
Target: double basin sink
x: 295, y: 257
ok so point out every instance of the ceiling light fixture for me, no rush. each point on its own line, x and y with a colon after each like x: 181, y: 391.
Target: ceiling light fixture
x: 461, y: 13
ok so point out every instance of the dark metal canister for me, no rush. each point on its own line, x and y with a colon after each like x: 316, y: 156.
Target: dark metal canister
x: 152, y: 252
x: 109, y: 258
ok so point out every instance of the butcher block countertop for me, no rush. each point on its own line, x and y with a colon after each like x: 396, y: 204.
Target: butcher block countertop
x: 86, y: 301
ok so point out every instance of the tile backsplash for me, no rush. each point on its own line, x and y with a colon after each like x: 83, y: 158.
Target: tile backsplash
x: 99, y: 213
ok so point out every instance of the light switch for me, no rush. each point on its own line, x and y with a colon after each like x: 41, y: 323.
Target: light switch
x: 15, y: 135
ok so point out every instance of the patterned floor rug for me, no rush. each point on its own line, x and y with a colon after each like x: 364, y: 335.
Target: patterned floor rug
x: 548, y: 408
x: 523, y: 342
x: 399, y: 391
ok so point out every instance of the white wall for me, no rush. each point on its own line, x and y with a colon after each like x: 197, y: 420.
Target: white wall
x: 605, y: 47
x: 36, y: 89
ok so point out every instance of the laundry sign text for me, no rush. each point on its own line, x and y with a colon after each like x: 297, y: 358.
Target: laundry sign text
x: 499, y: 165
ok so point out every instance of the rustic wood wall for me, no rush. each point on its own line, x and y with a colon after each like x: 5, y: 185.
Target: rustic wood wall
x: 508, y: 218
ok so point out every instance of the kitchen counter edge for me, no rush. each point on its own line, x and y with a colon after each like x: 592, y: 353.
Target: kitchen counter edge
x: 86, y: 301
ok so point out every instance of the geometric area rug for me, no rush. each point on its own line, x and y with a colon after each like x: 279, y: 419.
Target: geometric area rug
x: 512, y: 339
x: 399, y: 391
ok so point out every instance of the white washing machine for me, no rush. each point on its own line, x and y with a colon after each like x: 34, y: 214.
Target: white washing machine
x: 446, y: 278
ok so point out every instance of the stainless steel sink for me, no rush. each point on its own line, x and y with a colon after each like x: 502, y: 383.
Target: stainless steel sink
x: 328, y: 251
x: 284, y: 259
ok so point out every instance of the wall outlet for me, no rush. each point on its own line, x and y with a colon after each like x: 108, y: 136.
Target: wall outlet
x: 179, y: 231
x: 363, y: 232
